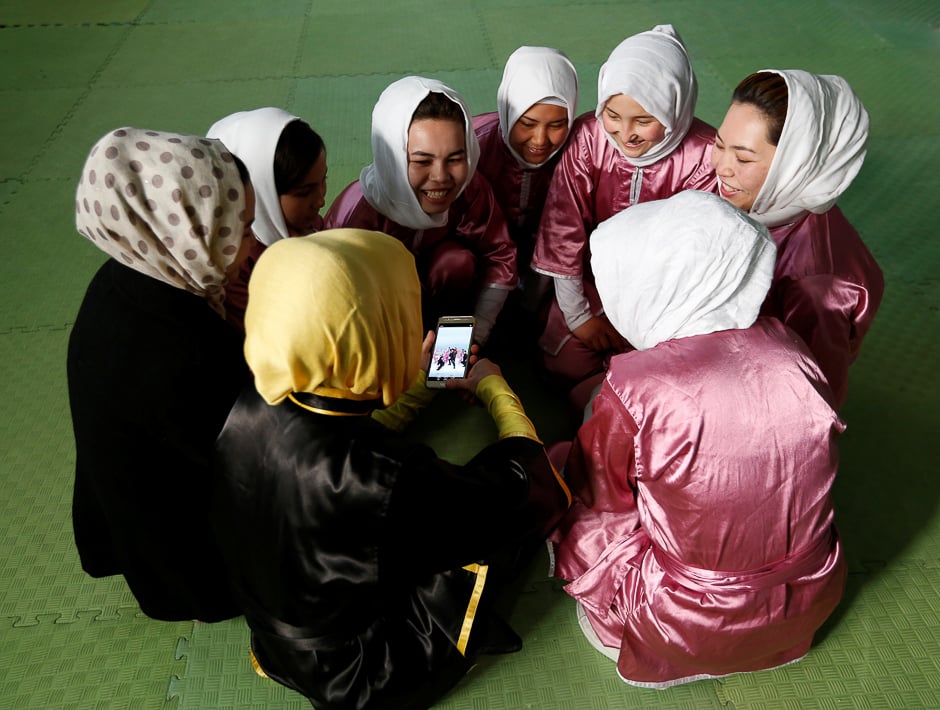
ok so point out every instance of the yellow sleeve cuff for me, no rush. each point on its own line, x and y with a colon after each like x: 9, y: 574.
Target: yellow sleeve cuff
x: 407, y: 407
x: 505, y: 408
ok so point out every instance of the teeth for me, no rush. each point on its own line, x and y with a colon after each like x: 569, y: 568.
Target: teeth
x: 435, y: 194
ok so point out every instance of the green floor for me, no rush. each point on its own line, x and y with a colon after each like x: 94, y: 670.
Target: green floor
x: 74, y: 69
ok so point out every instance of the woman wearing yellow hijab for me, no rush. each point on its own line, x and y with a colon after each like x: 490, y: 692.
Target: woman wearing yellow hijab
x: 365, y: 565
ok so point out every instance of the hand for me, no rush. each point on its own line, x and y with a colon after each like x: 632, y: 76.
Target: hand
x: 481, y: 368
x: 598, y: 334
x: 427, y: 350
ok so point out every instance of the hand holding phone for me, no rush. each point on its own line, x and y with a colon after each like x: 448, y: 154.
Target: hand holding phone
x: 450, y: 358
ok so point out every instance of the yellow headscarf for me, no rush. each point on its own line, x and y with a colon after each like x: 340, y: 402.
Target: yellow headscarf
x: 335, y: 314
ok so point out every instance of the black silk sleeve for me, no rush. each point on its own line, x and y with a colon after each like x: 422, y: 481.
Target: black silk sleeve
x: 442, y: 515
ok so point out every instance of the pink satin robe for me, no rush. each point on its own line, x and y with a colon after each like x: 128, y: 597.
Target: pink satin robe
x: 519, y: 191
x: 593, y: 181
x: 702, y: 540
x: 827, y: 287
x: 475, y: 224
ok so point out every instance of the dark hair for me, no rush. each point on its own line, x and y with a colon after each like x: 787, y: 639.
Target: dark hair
x: 242, y: 169
x: 297, y: 150
x: 768, y: 93
x: 437, y: 105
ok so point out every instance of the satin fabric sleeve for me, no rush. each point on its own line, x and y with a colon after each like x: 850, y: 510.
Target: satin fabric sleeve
x: 568, y: 214
x: 483, y: 226
x: 350, y: 209
x: 407, y: 407
x: 505, y: 408
x: 696, y: 149
x: 443, y: 515
x: 832, y: 316
x: 601, y: 472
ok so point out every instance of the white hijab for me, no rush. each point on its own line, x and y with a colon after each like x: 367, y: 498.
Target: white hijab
x: 253, y: 137
x: 384, y: 182
x: 688, y: 265
x: 821, y: 149
x: 535, y: 75
x: 653, y: 69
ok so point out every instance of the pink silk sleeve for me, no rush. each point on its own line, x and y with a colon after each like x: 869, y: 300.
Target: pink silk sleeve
x: 568, y: 214
x: 600, y: 471
x: 483, y: 227
x: 832, y: 316
x: 350, y: 209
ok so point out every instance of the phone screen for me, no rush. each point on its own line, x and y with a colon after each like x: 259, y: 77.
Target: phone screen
x: 451, y: 351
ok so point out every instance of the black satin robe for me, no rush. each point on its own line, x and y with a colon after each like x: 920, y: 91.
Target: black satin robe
x: 152, y: 373
x: 347, y: 548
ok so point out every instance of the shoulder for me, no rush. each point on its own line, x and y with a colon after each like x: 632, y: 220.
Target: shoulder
x: 486, y: 126
x: 350, y: 209
x: 824, y: 243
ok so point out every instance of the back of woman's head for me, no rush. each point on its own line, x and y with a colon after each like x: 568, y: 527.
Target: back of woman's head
x: 688, y: 265
x: 336, y: 314
x: 171, y: 206
x: 297, y: 150
x: 768, y: 93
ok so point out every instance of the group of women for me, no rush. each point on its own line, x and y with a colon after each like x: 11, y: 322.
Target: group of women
x: 697, y: 289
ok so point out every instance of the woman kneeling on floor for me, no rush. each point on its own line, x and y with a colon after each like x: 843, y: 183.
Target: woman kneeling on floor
x: 366, y: 566
x: 701, y: 541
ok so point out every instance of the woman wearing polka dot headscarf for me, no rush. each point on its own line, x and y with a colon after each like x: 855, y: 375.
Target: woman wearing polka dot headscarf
x: 153, y: 368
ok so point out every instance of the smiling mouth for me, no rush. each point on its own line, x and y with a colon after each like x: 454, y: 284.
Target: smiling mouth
x: 435, y: 195
x: 727, y: 190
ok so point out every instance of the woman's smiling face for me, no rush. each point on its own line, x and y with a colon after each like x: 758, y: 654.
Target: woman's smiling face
x: 742, y: 155
x: 539, y: 132
x: 437, y: 162
x: 634, y: 129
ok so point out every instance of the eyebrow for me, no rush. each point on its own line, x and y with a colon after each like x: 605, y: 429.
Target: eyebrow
x: 425, y: 154
x: 736, y: 147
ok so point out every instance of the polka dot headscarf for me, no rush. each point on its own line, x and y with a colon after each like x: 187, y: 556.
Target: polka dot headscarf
x: 170, y: 206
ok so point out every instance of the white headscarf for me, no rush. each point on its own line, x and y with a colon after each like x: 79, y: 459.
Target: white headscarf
x: 821, y: 149
x: 170, y: 206
x: 688, y: 265
x: 384, y: 182
x: 535, y: 75
x: 653, y: 69
x: 253, y: 137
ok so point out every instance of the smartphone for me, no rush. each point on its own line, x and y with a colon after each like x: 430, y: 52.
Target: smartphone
x: 451, y: 357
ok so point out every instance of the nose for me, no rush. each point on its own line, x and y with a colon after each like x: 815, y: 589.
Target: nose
x: 437, y: 173
x: 720, y: 162
x: 540, y: 135
x: 626, y: 130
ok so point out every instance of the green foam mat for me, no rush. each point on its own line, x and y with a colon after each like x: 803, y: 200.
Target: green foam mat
x: 74, y: 70
x: 88, y: 662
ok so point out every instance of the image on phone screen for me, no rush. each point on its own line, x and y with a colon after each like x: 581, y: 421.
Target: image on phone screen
x: 451, y: 354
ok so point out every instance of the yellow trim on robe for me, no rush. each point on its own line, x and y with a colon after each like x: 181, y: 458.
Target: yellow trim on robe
x: 480, y: 571
x: 254, y: 663
x: 330, y: 412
